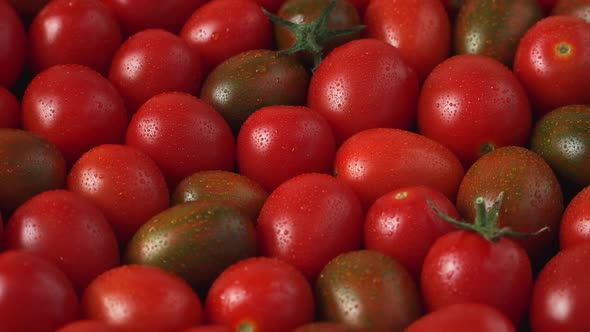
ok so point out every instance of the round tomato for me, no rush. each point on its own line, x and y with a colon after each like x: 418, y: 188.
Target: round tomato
x: 13, y: 42
x: 10, y: 112
x: 579, y: 8
x: 85, y: 325
x: 575, y: 221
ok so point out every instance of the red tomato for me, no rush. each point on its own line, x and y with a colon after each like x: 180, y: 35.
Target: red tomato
x: 10, y: 112
x: 142, y: 298
x: 575, y: 221
x: 473, y: 104
x: 36, y: 296
x: 403, y: 226
x: 377, y: 161
x: 83, y: 32
x: 420, y: 29
x: 553, y: 62
x: 260, y: 294
x: 364, y: 84
x: 183, y: 135
x: 151, y: 62
x: 464, y: 317
x: 124, y: 183
x: 277, y: 143
x: 69, y: 231
x: 308, y: 220
x: 223, y: 28
x: 85, y: 326
x: 75, y: 108
x: 561, y: 294
x: 12, y: 45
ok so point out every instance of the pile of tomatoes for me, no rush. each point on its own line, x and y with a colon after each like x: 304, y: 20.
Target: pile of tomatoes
x: 294, y: 165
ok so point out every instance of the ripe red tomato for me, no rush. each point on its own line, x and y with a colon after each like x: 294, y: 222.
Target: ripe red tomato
x: 279, y: 142
x: 13, y: 42
x: 85, y: 325
x: 124, y: 183
x: 142, y: 298
x: 36, y: 296
x: 75, y: 108
x: 575, y: 221
x: 308, y: 220
x: 260, y: 294
x: 10, y: 112
x: 183, y: 135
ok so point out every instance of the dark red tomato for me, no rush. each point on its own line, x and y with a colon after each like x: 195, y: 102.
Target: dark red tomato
x: 575, y: 221
x: 561, y: 294
x: 579, y: 8
x: 464, y: 317
x: 69, y: 231
x: 13, y: 41
x: 137, y: 15
x: 260, y: 294
x: 183, y: 135
x: 403, y: 226
x: 364, y: 84
x: 36, y: 296
x: 377, y: 161
x: 463, y: 266
x: 553, y: 62
x: 83, y: 32
x: 151, y: 62
x: 30, y: 165
x: 323, y: 327
x: 473, y: 104
x: 279, y: 142
x: 308, y: 220
x: 221, y: 29
x: 124, y: 183
x: 142, y: 298
x: 420, y: 29
x: 75, y: 108
x: 10, y: 113
x: 85, y: 325
x: 209, y: 328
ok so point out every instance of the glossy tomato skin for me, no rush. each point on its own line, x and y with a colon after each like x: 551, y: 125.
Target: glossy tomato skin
x: 377, y: 161
x: 75, y: 108
x: 574, y: 227
x: 402, y: 225
x: 141, y: 67
x: 223, y: 28
x: 81, y: 32
x: 420, y: 29
x: 13, y: 42
x: 36, y: 295
x: 147, y: 297
x: 308, y: 220
x: 10, y: 112
x: 124, y: 183
x: 85, y: 325
x: 473, y: 104
x: 364, y: 84
x: 561, y: 293
x: 553, y: 62
x: 262, y: 294
x: 290, y: 140
x: 579, y: 8
x: 183, y: 135
x: 463, y: 317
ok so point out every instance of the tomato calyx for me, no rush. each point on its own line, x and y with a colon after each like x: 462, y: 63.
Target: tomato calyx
x: 313, y: 36
x: 485, y: 221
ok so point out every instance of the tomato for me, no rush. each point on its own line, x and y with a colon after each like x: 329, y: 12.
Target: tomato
x: 561, y: 293
x: 183, y: 135
x: 85, y: 325
x: 464, y: 317
x: 308, y: 220
x: 151, y: 62
x: 290, y: 140
x: 402, y: 225
x: 323, y: 327
x: 74, y: 31
x: 75, y: 108
x: 473, y: 104
x: 367, y: 291
x: 364, y: 84
x: 30, y: 165
x: 579, y: 8
x: 208, y: 328
x: 28, y: 8
x: 140, y: 298
x: 574, y: 228
x: 420, y: 29
x: 10, y: 112
x: 217, y: 35
x: 12, y: 45
x: 36, y: 296
x: 251, y: 80
x: 124, y: 183
x: 377, y: 161
x: 260, y: 294
x: 553, y: 62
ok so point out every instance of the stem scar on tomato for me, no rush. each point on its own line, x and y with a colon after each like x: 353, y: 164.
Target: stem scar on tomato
x: 564, y: 50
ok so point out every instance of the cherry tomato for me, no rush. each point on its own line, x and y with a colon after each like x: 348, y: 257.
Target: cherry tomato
x: 574, y: 228
x: 10, y: 112
x: 13, y: 42
x: 85, y: 325
x: 579, y: 8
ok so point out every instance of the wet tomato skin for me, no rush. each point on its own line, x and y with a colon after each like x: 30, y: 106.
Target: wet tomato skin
x: 13, y: 41
x: 574, y: 229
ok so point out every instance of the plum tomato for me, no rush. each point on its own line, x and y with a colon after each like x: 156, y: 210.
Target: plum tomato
x: 10, y: 110
x: 578, y: 8
x: 13, y: 42
x: 86, y: 325
x: 574, y: 228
